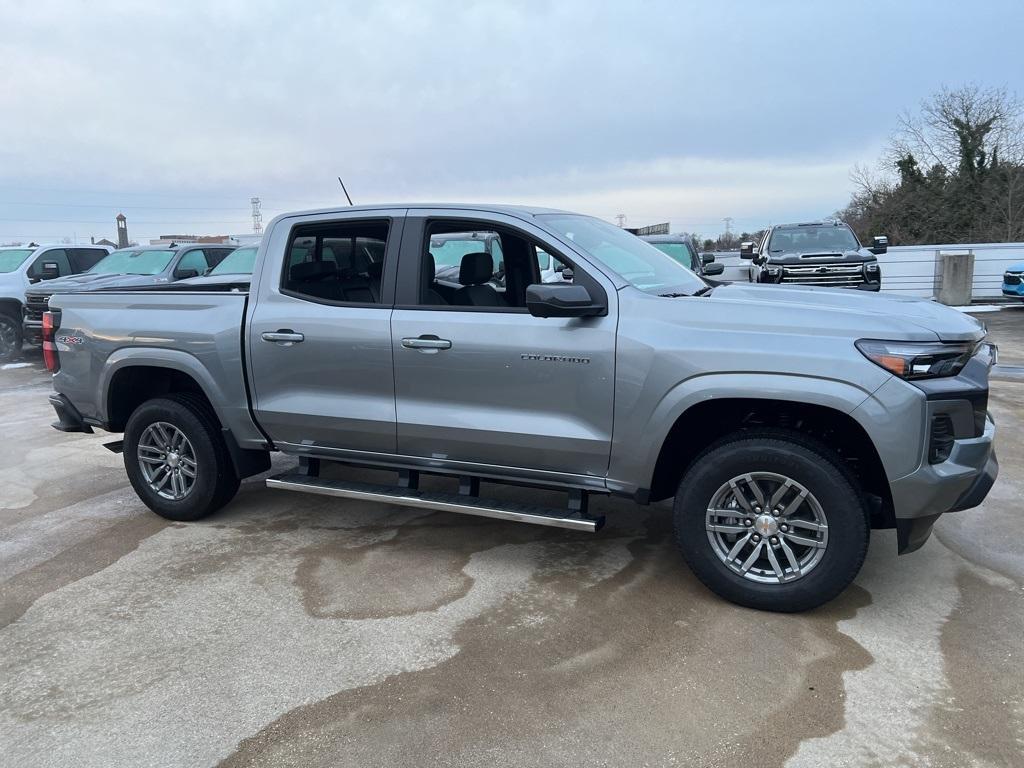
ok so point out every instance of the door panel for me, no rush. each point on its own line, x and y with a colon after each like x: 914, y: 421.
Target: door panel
x: 511, y: 390
x: 335, y: 387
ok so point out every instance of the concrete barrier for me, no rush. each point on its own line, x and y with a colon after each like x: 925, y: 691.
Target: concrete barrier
x: 954, y: 278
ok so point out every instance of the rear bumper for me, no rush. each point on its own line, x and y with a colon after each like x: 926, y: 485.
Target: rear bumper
x: 68, y: 417
x: 32, y: 332
x: 961, y: 482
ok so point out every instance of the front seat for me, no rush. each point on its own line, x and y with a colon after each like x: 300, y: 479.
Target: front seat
x: 475, y: 271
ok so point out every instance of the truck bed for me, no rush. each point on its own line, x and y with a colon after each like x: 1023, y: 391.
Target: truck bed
x: 199, y: 331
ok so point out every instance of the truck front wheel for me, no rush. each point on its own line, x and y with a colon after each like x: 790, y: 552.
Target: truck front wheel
x: 176, y: 458
x: 10, y: 338
x: 768, y: 519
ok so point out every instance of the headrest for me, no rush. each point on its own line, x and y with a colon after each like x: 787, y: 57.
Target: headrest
x: 476, y: 268
x: 376, y: 269
x: 309, y: 271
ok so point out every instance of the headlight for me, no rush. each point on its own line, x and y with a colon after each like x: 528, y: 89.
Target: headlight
x: 917, y: 360
x: 775, y: 273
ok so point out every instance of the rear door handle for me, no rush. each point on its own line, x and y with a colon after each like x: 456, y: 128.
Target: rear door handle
x: 284, y: 336
x: 426, y: 342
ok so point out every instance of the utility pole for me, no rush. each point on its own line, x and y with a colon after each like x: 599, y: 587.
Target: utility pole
x: 621, y: 219
x: 257, y: 216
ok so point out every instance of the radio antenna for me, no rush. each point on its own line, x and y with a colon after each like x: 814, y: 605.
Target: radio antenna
x: 344, y: 190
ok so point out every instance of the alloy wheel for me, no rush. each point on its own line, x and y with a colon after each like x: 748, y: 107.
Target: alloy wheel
x: 167, y: 460
x: 767, y: 527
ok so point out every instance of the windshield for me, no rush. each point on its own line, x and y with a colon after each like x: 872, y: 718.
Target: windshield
x: 239, y: 262
x: 826, y: 239
x: 681, y: 252
x: 134, y: 262
x: 12, y: 259
x: 448, y: 252
x: 636, y: 261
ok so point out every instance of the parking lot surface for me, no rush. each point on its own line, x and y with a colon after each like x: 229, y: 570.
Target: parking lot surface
x: 293, y: 630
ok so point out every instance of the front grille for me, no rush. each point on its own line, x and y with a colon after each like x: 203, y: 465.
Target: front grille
x: 941, y: 443
x: 1012, y: 278
x: 824, y: 275
x: 35, y: 306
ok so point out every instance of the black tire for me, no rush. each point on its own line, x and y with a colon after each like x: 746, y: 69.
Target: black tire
x: 809, y: 463
x: 215, y: 483
x: 10, y: 338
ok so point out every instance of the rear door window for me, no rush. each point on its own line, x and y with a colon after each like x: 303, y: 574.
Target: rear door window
x: 338, y: 263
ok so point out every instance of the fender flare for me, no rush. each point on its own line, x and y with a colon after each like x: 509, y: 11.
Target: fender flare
x: 830, y: 393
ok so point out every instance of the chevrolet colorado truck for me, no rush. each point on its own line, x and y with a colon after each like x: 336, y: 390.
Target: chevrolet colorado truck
x: 784, y: 422
x: 824, y: 253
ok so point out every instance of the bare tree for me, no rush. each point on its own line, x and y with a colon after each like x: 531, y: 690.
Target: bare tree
x: 960, y: 128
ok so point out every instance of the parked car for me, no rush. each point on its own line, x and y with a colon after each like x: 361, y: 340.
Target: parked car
x: 825, y: 253
x: 785, y: 422
x: 22, y: 266
x: 1013, y: 281
x: 684, y: 250
x: 127, y: 268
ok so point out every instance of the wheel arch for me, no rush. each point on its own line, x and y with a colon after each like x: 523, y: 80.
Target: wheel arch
x: 824, y: 415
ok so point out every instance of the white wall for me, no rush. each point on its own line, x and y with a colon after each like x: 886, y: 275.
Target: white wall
x: 910, y: 269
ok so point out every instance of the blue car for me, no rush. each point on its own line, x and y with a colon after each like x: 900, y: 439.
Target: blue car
x: 1013, y: 281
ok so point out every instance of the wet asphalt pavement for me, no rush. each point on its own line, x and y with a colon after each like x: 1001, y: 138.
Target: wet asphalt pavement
x: 294, y: 630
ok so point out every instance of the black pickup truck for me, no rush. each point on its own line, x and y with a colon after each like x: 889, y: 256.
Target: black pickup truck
x: 818, y: 253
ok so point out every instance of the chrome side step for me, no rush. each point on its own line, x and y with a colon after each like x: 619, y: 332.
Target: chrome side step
x: 438, y: 502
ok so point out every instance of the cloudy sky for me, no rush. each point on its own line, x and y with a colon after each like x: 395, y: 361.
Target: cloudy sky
x: 177, y: 113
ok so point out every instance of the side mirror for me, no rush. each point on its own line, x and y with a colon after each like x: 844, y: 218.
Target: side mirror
x: 747, y: 250
x: 879, y: 244
x: 184, y: 274
x: 707, y: 258
x: 561, y: 300
x: 49, y: 270
x: 566, y: 273
x: 714, y: 269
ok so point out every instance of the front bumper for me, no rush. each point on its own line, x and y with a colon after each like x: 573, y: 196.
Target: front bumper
x: 960, y: 482
x: 1016, y: 291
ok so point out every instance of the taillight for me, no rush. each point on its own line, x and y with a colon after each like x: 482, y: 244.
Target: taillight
x: 50, y: 356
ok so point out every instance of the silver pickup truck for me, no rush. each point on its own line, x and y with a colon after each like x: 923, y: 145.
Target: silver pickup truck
x: 785, y: 422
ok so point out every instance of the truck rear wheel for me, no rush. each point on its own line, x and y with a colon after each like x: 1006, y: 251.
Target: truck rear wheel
x: 769, y: 520
x: 176, y: 458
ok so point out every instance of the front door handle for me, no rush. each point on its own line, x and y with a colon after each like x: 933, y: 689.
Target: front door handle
x: 284, y: 336
x: 426, y: 342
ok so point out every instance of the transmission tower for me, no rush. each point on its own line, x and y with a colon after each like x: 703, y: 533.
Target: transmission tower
x: 621, y: 219
x: 728, y: 226
x: 257, y: 216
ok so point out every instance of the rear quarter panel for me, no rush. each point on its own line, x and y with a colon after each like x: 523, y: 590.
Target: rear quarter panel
x: 197, y: 333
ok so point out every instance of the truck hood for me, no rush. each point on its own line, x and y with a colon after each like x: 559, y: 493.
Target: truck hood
x: 88, y: 282
x: 867, y: 315
x: 12, y: 285
x: 823, y: 257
